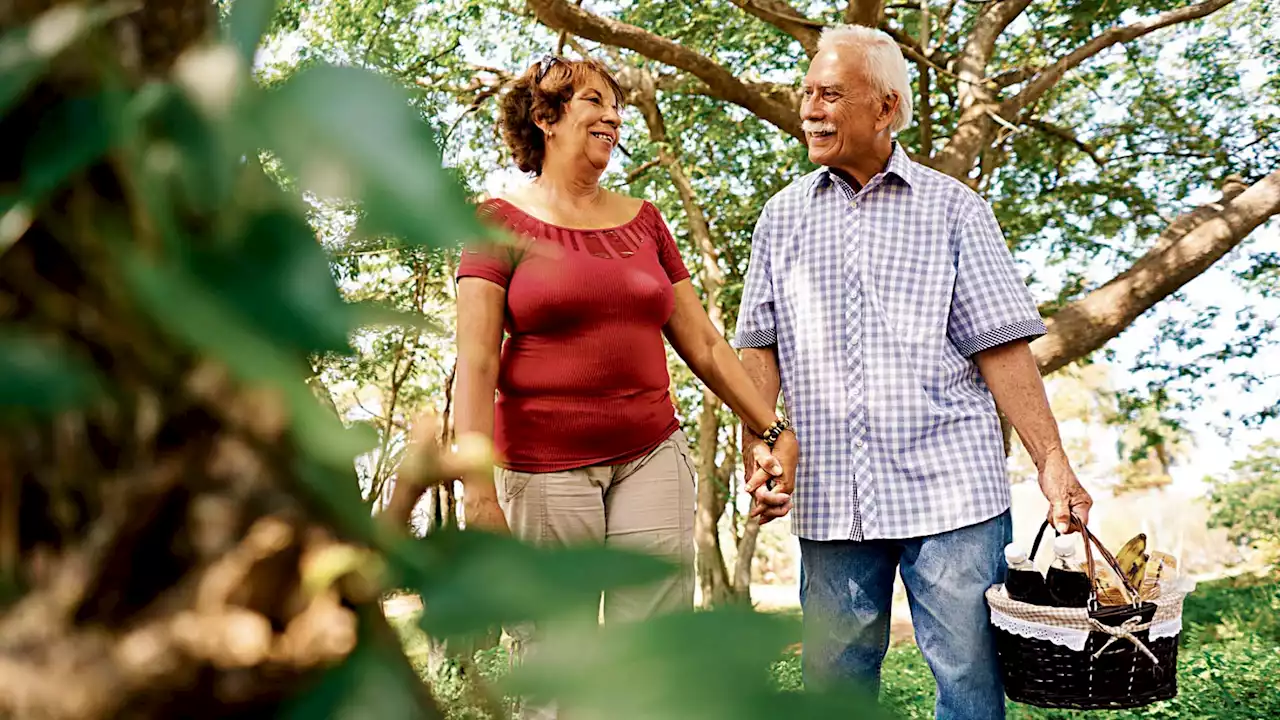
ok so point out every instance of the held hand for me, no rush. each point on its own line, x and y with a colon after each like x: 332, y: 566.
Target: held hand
x: 484, y: 513
x: 1064, y: 492
x: 771, y: 477
x: 427, y: 464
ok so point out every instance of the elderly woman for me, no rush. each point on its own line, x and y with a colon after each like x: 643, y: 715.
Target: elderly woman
x: 589, y: 447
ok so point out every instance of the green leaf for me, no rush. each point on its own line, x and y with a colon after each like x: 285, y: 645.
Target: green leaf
x: 696, y: 665
x: 351, y: 133
x: 471, y: 581
x: 247, y: 23
x: 71, y: 136
x: 277, y: 277
x: 36, y: 375
x: 192, y: 161
x: 25, y: 53
x: 190, y: 312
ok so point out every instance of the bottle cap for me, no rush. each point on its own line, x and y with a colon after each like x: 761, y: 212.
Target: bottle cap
x: 1014, y: 555
x: 1064, y: 546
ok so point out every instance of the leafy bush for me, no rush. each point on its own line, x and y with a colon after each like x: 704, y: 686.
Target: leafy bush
x: 1247, y: 502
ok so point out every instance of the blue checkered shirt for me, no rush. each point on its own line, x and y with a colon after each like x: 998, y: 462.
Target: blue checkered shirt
x: 877, y: 299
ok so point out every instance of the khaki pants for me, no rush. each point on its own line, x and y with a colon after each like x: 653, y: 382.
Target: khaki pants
x: 646, y: 505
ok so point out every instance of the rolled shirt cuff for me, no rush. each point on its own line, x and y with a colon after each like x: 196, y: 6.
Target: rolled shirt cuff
x: 1022, y: 330
x: 763, y: 338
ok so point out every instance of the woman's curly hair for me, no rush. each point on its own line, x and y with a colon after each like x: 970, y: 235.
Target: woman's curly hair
x: 527, y: 101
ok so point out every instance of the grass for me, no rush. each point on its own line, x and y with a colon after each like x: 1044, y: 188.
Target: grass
x: 1227, y: 664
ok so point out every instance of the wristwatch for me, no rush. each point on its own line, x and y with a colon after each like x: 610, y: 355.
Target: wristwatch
x: 774, y: 431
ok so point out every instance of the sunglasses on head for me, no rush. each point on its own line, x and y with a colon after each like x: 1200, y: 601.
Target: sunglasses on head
x: 545, y: 64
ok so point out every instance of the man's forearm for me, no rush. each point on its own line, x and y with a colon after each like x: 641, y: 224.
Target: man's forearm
x: 1010, y: 371
x: 762, y: 367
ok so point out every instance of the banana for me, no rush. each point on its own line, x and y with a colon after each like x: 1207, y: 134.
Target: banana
x: 1132, y: 559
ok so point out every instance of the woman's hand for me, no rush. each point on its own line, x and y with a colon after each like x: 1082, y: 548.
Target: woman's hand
x: 771, y: 476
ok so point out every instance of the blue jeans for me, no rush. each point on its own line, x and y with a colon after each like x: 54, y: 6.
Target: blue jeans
x: 846, y: 592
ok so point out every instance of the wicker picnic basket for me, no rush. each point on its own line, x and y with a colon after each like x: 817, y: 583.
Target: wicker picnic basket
x: 1091, y: 658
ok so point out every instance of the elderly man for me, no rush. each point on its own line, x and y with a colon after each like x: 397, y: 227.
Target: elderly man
x: 882, y: 301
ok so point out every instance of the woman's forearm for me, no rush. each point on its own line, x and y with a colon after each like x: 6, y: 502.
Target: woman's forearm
x: 474, y: 417
x: 474, y: 394
x: 482, y: 303
x: 721, y: 370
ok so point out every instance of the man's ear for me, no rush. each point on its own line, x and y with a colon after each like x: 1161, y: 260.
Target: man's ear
x: 888, y: 110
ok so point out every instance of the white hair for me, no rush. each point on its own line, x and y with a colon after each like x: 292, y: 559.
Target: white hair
x: 883, y: 60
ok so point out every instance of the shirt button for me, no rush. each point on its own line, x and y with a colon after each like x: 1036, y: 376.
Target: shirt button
x: 859, y: 443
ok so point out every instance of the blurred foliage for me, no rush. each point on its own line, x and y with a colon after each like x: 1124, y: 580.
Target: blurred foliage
x: 1247, y: 502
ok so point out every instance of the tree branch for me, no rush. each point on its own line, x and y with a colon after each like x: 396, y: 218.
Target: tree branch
x: 912, y: 50
x: 1012, y: 77
x: 1188, y: 247
x: 975, y: 127
x: 1051, y: 75
x: 864, y: 12
x: 944, y: 25
x: 991, y: 23
x: 925, y: 111
x: 560, y: 15
x: 787, y: 19
x: 1069, y: 137
x: 788, y: 95
x: 636, y: 172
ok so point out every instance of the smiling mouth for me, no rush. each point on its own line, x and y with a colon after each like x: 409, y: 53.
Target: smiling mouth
x: 822, y: 134
x: 607, y: 138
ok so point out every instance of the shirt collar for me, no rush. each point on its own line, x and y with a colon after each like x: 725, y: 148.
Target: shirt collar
x: 900, y: 166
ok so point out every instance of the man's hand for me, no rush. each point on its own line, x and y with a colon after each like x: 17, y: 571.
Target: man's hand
x: 778, y: 466
x: 1066, y: 496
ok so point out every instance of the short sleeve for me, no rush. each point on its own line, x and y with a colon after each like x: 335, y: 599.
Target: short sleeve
x: 487, y: 260
x: 668, y: 252
x: 757, y: 324
x: 991, y: 304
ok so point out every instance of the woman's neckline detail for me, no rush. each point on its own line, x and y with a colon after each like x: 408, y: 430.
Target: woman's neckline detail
x: 612, y: 228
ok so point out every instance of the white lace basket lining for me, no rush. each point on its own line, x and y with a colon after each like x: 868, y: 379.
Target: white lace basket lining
x: 1072, y: 638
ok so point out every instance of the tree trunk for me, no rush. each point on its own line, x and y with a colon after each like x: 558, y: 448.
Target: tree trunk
x: 446, y: 507
x: 716, y: 585
x: 712, y: 574
x: 746, y: 557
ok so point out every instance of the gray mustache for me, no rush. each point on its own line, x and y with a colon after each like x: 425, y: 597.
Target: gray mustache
x: 814, y: 127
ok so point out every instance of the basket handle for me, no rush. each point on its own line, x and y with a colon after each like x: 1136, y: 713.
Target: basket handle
x: 1090, y: 538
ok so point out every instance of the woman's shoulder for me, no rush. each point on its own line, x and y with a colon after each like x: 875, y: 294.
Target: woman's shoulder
x: 635, y: 210
x: 503, y: 210
x: 628, y: 205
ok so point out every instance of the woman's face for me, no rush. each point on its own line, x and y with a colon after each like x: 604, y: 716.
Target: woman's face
x: 588, y: 125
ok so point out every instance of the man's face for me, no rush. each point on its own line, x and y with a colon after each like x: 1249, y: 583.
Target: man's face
x: 841, y: 113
